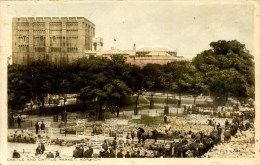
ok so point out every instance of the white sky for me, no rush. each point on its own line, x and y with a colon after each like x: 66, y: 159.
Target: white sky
x: 186, y: 26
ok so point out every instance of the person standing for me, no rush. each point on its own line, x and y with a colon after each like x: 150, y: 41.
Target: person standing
x: 155, y: 133
x: 165, y: 119
x: 19, y: 120
x: 132, y: 135
x: 42, y: 127
x: 57, y: 154
x: 37, y: 127
x: 42, y: 148
x: 114, y: 144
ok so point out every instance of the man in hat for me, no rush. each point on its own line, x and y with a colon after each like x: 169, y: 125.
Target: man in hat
x: 81, y: 151
x: 76, y: 152
x: 127, y: 155
x: 42, y: 127
x: 36, y: 125
x: 16, y: 154
x: 120, y: 154
x: 19, y: 120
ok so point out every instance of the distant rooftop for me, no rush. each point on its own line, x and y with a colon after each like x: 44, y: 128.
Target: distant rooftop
x: 155, y: 50
x: 51, y: 19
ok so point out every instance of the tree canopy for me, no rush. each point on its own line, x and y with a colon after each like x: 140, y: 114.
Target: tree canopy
x: 227, y: 69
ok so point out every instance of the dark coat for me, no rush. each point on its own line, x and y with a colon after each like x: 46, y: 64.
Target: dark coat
x: 42, y: 126
x: 127, y: 155
x: 16, y: 155
x: 76, y: 153
x: 120, y: 155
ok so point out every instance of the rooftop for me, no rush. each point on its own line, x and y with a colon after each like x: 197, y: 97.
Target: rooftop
x: 155, y: 49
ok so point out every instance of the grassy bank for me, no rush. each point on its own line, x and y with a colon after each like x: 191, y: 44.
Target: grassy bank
x: 148, y: 120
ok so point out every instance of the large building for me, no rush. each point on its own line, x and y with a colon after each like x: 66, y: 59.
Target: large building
x: 58, y: 40
x: 139, y: 57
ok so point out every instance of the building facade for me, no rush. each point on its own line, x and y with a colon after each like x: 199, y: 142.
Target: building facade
x: 139, y: 57
x: 59, y: 40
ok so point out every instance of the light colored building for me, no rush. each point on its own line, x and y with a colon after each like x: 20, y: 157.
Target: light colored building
x: 59, y: 40
x: 156, y: 55
x: 139, y: 57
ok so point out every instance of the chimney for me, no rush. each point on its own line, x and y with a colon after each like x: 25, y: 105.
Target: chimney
x: 134, y: 47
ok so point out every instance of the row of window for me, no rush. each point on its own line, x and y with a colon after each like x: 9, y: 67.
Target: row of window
x: 72, y: 49
x: 39, y: 49
x: 55, y: 49
x: 59, y: 38
x: 71, y: 30
x: 23, y: 30
x: 23, y: 46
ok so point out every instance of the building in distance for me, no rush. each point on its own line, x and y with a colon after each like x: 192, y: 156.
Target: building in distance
x: 139, y: 57
x: 59, y: 40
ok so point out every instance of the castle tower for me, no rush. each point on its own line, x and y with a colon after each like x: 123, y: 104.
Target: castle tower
x: 59, y: 40
x: 97, y: 44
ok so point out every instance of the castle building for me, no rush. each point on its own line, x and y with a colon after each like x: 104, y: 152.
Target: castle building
x: 59, y: 40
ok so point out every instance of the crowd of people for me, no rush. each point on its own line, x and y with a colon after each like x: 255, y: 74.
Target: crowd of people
x: 188, y: 144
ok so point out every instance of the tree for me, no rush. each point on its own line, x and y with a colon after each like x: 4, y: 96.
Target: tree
x: 18, y: 95
x: 103, y: 85
x: 115, y: 91
x: 42, y: 77
x: 152, y: 79
x: 181, y: 73
x: 228, y: 70
x: 197, y: 86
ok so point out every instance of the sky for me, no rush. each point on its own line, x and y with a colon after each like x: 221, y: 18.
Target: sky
x: 185, y: 26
